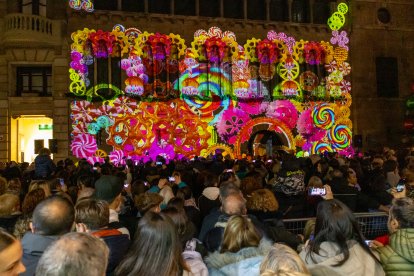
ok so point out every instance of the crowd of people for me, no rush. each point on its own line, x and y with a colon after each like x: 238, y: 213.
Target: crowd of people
x: 206, y: 216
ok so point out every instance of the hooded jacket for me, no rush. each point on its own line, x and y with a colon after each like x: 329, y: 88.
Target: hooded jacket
x: 359, y: 263
x: 244, y: 262
x: 33, y: 247
x: 398, y: 257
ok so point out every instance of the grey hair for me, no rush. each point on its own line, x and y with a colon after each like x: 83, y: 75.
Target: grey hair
x: 74, y: 254
x: 402, y: 210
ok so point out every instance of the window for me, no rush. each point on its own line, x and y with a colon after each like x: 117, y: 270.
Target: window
x: 387, y: 77
x: 159, y: 6
x: 133, y: 5
x: 321, y: 11
x: 35, y: 7
x: 300, y: 11
x: 108, y: 5
x: 256, y: 9
x: 36, y: 80
x: 210, y: 8
x: 279, y: 10
x: 184, y: 7
x: 233, y: 9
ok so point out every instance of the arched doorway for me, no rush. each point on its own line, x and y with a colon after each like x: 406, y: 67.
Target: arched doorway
x: 264, y: 129
x: 264, y: 142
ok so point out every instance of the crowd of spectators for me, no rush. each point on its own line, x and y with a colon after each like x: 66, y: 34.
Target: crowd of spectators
x: 206, y: 216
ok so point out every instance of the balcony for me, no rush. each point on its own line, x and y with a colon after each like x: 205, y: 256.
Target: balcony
x: 31, y: 31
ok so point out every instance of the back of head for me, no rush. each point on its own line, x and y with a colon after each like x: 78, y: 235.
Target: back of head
x: 239, y: 233
x: 53, y: 216
x: 147, y: 201
x: 156, y: 249
x: 44, y: 151
x: 31, y: 200
x: 228, y: 188
x: 234, y: 204
x: 108, y: 188
x: 93, y: 213
x: 336, y: 223
x: 9, y: 203
x: 74, y: 254
x: 262, y: 200
x: 283, y: 260
x: 402, y: 210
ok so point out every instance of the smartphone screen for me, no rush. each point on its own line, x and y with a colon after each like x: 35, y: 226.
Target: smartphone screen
x: 171, y: 178
x: 317, y: 191
x: 400, y: 187
x: 158, y: 163
x: 61, y: 181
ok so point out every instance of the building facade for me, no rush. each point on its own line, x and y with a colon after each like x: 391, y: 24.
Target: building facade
x: 35, y: 54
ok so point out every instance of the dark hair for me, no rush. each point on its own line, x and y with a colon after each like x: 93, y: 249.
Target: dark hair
x: 227, y: 175
x: 389, y: 165
x: 185, y: 193
x: 176, y: 202
x: 210, y: 180
x: 93, y: 213
x: 403, y: 211
x: 53, y: 216
x: 185, y: 228
x: 6, y: 239
x: 156, y: 249
x: 335, y: 223
x: 227, y: 188
x: 86, y: 180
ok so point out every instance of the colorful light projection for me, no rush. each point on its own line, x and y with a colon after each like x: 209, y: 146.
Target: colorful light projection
x: 191, y: 101
x: 85, y: 5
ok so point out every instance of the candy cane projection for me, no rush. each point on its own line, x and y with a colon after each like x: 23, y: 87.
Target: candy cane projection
x: 172, y: 100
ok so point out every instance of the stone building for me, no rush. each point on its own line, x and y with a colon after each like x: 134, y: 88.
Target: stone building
x: 35, y: 40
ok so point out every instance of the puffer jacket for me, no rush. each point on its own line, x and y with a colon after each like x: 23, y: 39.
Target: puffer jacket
x: 397, y: 258
x: 244, y: 262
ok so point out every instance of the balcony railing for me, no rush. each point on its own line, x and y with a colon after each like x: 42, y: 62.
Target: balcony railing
x: 31, y: 30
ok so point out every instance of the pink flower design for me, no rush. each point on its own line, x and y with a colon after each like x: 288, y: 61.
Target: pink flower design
x: 340, y: 38
x: 230, y: 123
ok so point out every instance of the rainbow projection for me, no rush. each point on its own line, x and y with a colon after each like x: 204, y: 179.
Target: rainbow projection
x: 138, y: 94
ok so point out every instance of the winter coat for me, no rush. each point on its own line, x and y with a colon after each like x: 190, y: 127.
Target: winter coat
x: 208, y: 200
x: 44, y: 166
x: 33, y: 247
x: 193, y: 260
x: 360, y: 263
x: 398, y: 257
x: 244, y: 262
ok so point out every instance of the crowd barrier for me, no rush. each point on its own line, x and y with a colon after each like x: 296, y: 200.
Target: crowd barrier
x: 372, y: 224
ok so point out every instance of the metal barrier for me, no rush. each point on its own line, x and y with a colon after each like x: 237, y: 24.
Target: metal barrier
x: 372, y: 224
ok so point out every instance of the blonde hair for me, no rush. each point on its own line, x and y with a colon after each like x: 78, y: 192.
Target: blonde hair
x: 40, y: 184
x: 262, y: 200
x: 8, y: 204
x: 282, y: 260
x: 239, y: 233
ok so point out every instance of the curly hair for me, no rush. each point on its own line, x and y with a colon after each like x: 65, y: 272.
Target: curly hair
x: 262, y: 200
x: 32, y: 199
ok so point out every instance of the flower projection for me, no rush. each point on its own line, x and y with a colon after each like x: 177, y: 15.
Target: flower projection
x: 178, y: 101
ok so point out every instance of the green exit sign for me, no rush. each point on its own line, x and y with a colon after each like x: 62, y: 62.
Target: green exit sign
x: 45, y: 127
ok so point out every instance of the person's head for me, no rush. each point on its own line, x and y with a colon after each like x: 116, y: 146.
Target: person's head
x: 185, y: 193
x: 109, y: 188
x: 86, y: 181
x: 53, y: 216
x: 315, y: 181
x: 156, y: 249
x: 44, y: 151
x: 336, y: 223
x: 262, y: 200
x: 41, y: 184
x: 176, y: 202
x: 74, y: 254
x: 227, y: 175
x: 14, y: 186
x: 239, y: 233
x: 92, y: 213
x: 32, y: 199
x: 210, y: 180
x: 148, y: 202
x: 11, y: 253
x: 139, y: 187
x: 251, y: 183
x: 401, y: 214
x: 282, y: 260
x: 228, y: 188
x: 9, y: 204
x: 180, y: 220
x: 234, y: 204
x: 390, y: 166
x: 177, y: 176
x: 351, y: 177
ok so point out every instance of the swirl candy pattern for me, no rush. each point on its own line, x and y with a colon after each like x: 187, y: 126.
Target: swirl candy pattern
x: 84, y: 145
x: 321, y: 147
x: 340, y: 136
x: 323, y: 116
